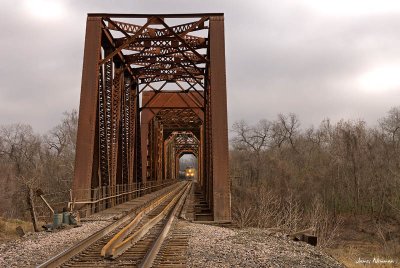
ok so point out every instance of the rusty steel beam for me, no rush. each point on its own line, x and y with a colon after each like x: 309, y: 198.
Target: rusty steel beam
x: 153, y: 32
x: 122, y: 15
x: 221, y: 183
x: 124, y: 45
x: 85, y: 144
x: 140, y: 112
x: 167, y: 41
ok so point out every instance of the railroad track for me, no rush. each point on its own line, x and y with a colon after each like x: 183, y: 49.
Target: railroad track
x: 137, y: 240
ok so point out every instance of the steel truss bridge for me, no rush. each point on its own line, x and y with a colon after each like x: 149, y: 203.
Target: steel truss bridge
x: 153, y: 89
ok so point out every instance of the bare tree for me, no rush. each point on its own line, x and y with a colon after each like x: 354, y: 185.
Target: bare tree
x: 60, y: 153
x: 352, y: 168
x: 29, y: 161
x: 23, y: 149
x: 63, y: 136
x: 391, y: 124
x: 285, y: 129
x: 252, y: 138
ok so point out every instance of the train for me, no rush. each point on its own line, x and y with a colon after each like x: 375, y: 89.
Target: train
x: 187, y: 174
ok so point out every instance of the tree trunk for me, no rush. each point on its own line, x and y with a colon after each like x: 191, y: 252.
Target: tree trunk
x: 31, y: 204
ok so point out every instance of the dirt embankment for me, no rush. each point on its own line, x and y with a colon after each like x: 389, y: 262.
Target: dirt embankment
x: 365, y: 242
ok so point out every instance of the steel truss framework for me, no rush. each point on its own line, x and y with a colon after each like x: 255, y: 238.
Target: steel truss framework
x: 175, y: 146
x: 153, y: 89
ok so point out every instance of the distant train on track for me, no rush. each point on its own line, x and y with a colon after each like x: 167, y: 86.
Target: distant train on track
x: 188, y: 174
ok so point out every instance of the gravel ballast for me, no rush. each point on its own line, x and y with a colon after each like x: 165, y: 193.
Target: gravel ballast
x: 209, y: 246
x: 35, y: 248
x: 213, y: 246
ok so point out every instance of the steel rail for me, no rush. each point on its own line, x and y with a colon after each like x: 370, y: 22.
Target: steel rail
x: 121, y: 247
x: 67, y: 254
x: 118, y: 238
x: 155, y: 249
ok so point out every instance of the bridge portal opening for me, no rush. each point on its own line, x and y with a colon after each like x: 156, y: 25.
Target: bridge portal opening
x: 188, y: 166
x: 188, y: 160
x: 153, y: 89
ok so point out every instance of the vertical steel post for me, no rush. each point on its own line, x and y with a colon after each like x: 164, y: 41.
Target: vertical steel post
x: 85, y: 144
x: 138, y: 139
x: 219, y: 121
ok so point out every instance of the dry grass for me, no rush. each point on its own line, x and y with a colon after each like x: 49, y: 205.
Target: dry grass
x: 367, y: 255
x: 7, y: 228
x: 364, y: 243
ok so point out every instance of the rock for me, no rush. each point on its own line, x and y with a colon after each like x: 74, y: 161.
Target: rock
x: 47, y: 227
x: 20, y: 231
x: 74, y: 218
x: 212, y: 246
x: 36, y: 248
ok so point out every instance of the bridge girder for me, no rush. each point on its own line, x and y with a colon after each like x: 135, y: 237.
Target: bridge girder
x: 142, y: 81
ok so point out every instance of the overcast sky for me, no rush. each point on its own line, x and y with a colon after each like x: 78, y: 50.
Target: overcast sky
x: 316, y: 58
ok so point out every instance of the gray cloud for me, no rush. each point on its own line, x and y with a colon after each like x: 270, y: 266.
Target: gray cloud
x: 281, y: 57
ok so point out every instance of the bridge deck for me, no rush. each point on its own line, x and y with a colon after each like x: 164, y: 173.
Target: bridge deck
x: 127, y: 207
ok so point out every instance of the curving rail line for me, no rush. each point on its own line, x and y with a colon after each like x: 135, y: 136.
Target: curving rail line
x: 133, y: 241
